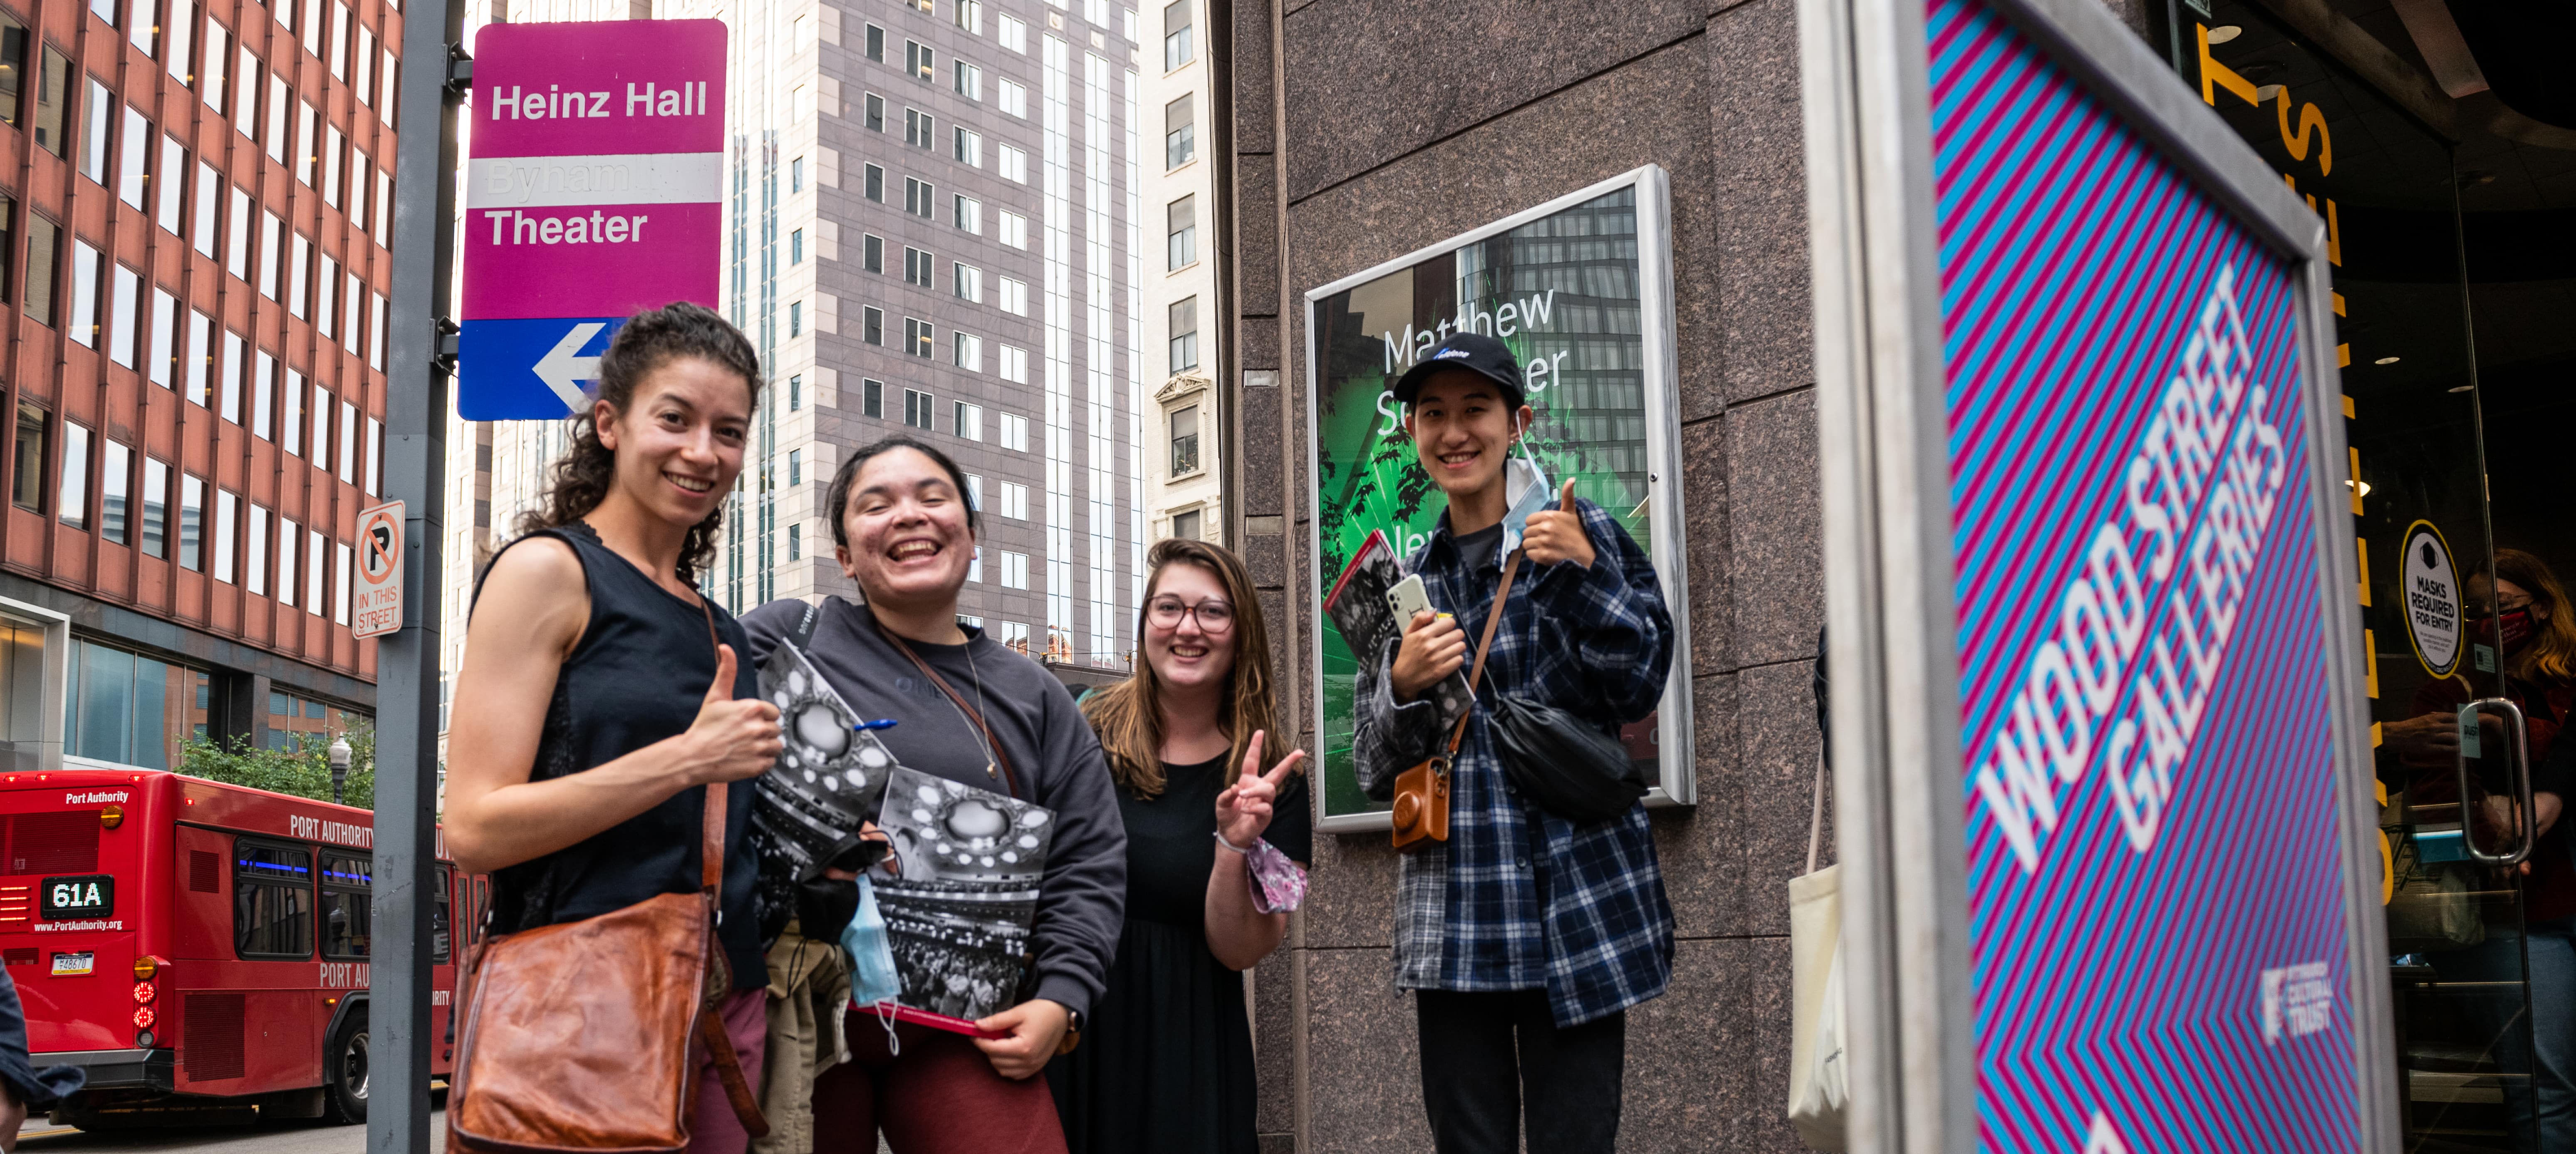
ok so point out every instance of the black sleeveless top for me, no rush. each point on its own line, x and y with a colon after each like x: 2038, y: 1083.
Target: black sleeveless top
x: 637, y: 676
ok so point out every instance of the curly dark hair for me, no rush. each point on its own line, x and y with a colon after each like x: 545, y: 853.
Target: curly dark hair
x: 580, y: 479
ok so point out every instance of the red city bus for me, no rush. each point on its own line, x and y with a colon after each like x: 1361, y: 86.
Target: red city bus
x: 198, y: 947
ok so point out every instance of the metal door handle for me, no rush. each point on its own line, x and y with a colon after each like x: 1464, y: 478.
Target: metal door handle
x: 2518, y: 746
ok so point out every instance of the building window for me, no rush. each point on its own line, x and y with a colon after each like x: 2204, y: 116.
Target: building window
x: 795, y: 542
x: 192, y: 522
x: 975, y: 501
x: 795, y: 393
x: 44, y: 240
x: 872, y: 254
x: 1186, y: 525
x: 796, y: 175
x: 1015, y: 365
x: 1015, y: 230
x: 916, y: 128
x: 1013, y: 34
x: 1015, y: 570
x: 795, y: 466
x: 970, y: 353
x: 920, y: 199
x: 1015, y: 297
x: 125, y: 707
x: 115, y: 467
x: 970, y: 283
x: 1181, y: 232
x: 1015, y: 501
x: 1185, y: 334
x: 1176, y: 35
x: 1015, y: 99
x: 970, y: 80
x: 969, y: 425
x: 970, y: 147
x: 872, y: 399
x: 918, y: 60
x: 1185, y: 441
x: 874, y: 113
x: 27, y: 481
x: 53, y: 98
x: 916, y: 408
x: 970, y: 16
x: 874, y: 186
x: 1015, y: 165
x: 876, y: 44
x: 969, y: 215
x: 916, y: 338
x: 72, y: 503
x: 1015, y: 432
x: 795, y: 318
x: 918, y: 267
x: 156, y: 508
x: 1179, y: 139
x: 226, y: 508
x: 796, y: 246
x: 872, y: 325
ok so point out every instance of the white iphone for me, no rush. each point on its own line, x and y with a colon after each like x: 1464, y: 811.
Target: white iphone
x: 1406, y: 599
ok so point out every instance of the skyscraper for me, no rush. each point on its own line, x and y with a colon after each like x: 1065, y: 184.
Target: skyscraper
x: 933, y: 229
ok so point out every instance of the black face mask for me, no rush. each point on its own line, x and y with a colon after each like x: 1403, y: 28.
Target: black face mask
x: 824, y: 907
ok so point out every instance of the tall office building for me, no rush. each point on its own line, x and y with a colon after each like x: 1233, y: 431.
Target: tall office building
x: 194, y: 285
x: 934, y: 228
x: 1183, y: 423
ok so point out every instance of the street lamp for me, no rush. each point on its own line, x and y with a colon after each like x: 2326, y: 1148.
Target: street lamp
x: 339, y: 768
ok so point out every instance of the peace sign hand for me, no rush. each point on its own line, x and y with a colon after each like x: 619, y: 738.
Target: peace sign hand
x: 1243, y: 810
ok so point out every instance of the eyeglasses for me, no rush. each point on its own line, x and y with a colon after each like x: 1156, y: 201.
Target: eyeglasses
x: 1214, y: 617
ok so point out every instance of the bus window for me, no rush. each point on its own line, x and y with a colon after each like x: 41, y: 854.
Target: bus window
x: 438, y: 921
x: 346, y: 919
x: 272, y: 901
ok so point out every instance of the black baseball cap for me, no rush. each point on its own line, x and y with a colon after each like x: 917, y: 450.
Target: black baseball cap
x: 1473, y: 352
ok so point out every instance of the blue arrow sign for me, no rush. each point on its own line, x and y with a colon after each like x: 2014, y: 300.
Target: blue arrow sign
x: 530, y: 369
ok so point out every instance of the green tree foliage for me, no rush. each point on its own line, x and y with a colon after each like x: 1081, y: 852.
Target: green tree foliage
x: 304, y: 771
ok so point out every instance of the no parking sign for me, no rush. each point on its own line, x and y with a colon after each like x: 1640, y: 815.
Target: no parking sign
x: 378, y: 610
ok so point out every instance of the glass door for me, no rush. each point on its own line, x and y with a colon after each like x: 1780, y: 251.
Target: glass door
x: 2459, y: 723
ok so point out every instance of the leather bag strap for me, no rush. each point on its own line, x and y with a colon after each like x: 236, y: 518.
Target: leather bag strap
x: 1484, y: 646
x: 1010, y: 777
x: 711, y: 827
x: 728, y: 1062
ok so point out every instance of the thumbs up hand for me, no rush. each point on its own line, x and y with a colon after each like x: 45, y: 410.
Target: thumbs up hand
x: 1557, y: 535
x: 733, y: 739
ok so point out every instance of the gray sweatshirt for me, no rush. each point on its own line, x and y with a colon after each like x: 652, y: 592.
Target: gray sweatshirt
x: 1082, y: 902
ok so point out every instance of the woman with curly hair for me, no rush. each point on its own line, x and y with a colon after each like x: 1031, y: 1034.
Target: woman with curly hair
x: 594, y: 709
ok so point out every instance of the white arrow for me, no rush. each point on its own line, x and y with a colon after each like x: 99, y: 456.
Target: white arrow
x: 563, y: 372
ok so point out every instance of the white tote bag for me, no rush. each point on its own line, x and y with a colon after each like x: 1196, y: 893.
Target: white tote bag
x: 1817, y: 1091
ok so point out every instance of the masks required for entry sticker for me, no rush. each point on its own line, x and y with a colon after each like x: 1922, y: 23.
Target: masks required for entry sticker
x: 872, y: 975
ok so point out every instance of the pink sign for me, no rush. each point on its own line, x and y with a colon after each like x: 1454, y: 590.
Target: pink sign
x: 593, y: 189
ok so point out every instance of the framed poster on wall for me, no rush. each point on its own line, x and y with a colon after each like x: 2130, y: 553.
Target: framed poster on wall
x: 2109, y: 870
x: 1580, y: 288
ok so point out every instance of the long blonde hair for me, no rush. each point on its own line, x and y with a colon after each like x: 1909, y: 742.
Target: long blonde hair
x: 2551, y: 659
x: 1129, y: 716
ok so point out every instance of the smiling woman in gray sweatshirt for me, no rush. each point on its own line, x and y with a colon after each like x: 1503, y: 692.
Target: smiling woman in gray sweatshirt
x: 906, y: 535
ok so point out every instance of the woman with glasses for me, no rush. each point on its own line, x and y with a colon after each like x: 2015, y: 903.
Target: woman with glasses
x: 1168, y: 1066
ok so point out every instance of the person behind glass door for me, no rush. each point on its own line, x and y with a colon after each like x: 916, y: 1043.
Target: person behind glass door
x: 904, y: 532
x: 1526, y: 937
x: 593, y: 711
x: 2520, y: 613
x: 1168, y: 1062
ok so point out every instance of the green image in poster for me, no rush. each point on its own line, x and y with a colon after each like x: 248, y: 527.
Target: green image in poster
x: 1587, y: 310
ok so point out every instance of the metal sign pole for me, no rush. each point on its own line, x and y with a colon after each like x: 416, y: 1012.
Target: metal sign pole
x: 423, y: 245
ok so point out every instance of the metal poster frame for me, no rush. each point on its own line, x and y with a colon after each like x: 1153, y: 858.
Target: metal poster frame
x: 1676, y: 766
x: 1883, y: 442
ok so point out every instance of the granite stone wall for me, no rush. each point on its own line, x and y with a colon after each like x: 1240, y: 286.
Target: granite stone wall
x: 1363, y: 129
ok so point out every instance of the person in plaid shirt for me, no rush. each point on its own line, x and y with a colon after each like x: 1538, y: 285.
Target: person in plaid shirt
x: 1525, y: 936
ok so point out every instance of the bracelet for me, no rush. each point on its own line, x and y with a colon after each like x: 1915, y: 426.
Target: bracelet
x: 1245, y: 850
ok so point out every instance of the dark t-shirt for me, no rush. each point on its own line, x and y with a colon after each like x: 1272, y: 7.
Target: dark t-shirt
x: 1171, y: 840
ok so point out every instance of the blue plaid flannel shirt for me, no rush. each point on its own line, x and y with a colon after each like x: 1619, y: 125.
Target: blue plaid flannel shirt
x: 1519, y: 898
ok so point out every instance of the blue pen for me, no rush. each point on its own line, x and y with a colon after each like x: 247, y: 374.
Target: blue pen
x: 883, y: 723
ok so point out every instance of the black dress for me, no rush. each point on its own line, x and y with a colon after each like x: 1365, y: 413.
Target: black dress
x: 1165, y: 1062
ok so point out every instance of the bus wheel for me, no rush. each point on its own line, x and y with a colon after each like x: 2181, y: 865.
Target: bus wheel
x: 345, y: 1063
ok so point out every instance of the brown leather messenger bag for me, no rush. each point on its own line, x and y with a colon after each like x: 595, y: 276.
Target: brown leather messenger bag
x: 576, y: 1035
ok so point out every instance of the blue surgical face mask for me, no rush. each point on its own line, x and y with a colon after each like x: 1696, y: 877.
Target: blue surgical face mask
x: 872, y: 974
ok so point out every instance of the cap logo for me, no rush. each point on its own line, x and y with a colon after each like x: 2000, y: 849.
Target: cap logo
x: 1451, y: 355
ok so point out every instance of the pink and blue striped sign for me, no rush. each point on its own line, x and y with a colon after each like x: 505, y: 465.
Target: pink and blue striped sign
x: 2159, y: 952
x: 594, y: 189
